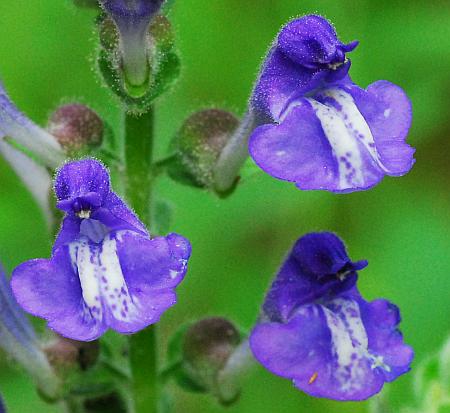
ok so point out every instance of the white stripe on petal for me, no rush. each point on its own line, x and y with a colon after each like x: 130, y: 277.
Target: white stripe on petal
x: 355, y: 122
x: 103, y: 285
x: 113, y: 287
x: 349, y: 344
x: 345, y: 147
x: 88, y: 266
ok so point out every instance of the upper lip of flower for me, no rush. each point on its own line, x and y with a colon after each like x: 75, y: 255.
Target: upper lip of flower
x: 328, y: 283
x: 81, y: 205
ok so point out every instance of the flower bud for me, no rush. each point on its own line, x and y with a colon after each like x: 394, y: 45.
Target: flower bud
x: 208, y: 346
x: 65, y: 354
x: 132, y: 20
x: 76, y: 127
x: 138, y: 60
x: 199, y: 143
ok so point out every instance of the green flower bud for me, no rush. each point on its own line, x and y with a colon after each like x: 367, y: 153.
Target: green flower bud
x: 76, y: 127
x: 207, y: 348
x: 198, y: 145
x: 137, y: 70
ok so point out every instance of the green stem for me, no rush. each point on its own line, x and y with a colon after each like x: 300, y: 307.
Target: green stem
x: 144, y: 367
x: 138, y: 161
x: 143, y: 345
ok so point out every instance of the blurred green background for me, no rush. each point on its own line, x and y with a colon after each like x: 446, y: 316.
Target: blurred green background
x: 402, y: 227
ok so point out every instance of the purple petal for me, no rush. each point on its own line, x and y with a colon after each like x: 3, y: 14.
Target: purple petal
x: 381, y: 319
x: 105, y: 272
x: 13, y: 318
x: 388, y: 112
x: 316, y: 267
x: 280, y: 79
x: 335, y: 350
x: 330, y: 134
x: 140, y: 277
x: 307, y: 55
x: 24, y: 131
x: 125, y: 283
x: 84, y: 178
x: 83, y: 190
x: 51, y: 289
x: 322, y: 254
x: 159, y: 263
x: 120, y: 210
x: 296, y: 150
x: 69, y: 231
x: 286, y: 349
x: 325, y: 142
x: 312, y: 40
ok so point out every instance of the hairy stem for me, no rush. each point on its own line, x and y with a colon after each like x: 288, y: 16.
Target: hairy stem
x: 143, y: 345
x: 138, y: 160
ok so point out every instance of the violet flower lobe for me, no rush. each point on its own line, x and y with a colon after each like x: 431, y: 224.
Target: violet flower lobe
x: 316, y: 127
x: 19, y: 341
x: 15, y: 125
x: 105, y: 271
x: 317, y: 330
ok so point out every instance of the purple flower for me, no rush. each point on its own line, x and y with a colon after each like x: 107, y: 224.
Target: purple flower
x: 19, y: 341
x: 317, y: 128
x: 317, y: 330
x: 14, y: 124
x: 105, y: 271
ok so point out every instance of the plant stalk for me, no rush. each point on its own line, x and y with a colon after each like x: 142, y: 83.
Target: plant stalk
x: 143, y: 345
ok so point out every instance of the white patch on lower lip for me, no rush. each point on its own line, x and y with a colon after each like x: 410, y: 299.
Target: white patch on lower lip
x: 348, y: 132
x: 173, y: 274
x: 344, y: 146
x: 102, y: 281
x: 85, y: 261
x: 350, y: 344
x: 355, y: 122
